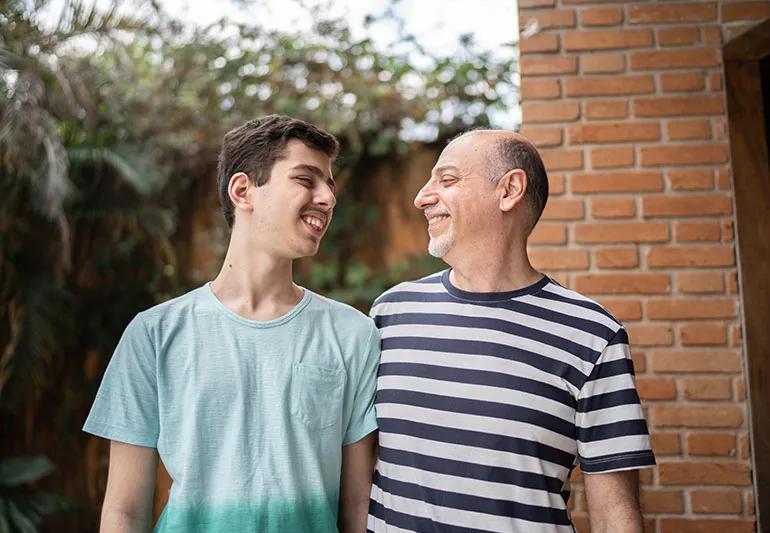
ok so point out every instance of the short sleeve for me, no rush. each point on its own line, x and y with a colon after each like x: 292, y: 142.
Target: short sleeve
x: 611, y: 430
x: 360, y: 393
x: 126, y: 405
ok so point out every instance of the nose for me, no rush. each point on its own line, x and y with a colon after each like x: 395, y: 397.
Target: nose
x: 425, y: 196
x: 325, y: 196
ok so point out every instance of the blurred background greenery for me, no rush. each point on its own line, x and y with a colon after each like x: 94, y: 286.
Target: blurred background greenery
x: 110, y: 125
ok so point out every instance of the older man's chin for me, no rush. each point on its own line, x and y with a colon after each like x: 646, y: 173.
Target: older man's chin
x: 439, y: 246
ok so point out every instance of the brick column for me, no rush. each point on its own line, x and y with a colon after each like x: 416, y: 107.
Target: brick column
x: 626, y: 102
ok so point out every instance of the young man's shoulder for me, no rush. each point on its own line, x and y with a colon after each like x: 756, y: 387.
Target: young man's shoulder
x: 172, y: 308
x: 342, y: 314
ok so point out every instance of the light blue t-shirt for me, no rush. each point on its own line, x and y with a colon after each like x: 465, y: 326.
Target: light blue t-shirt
x: 249, y: 417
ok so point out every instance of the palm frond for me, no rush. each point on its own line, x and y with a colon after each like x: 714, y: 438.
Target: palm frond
x: 137, y: 169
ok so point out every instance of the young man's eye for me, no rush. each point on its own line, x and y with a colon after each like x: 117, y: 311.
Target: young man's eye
x: 305, y: 180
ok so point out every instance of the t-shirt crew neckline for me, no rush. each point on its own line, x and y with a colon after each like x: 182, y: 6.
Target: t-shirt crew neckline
x: 491, y: 296
x: 297, y: 309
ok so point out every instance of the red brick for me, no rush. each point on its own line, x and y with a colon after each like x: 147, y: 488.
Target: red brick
x: 750, y: 11
x: 691, y: 205
x: 711, y: 443
x: 558, y: 259
x: 686, y: 525
x: 599, y: 109
x: 613, y: 132
x: 712, y: 35
x: 563, y: 209
x: 679, y: 36
x: 613, y: 208
x: 622, y: 156
x: 638, y: 283
x: 539, y: 43
x: 690, y: 256
x: 601, y: 16
x: 542, y: 137
x: 691, y: 179
x: 703, y: 333
x: 607, y: 39
x: 621, y: 232
x: 638, y: 359
x: 654, y: 388
x: 562, y: 159
x: 697, y: 231
x: 548, y: 64
x: 602, y: 63
x: 609, y: 85
x: 552, y: 18
x: 616, y: 258
x: 711, y: 360
x: 716, y: 501
x: 540, y: 89
x: 546, y: 233
x: 662, y: 501
x: 623, y: 309
x: 689, y: 154
x: 658, y: 12
x: 652, y: 335
x: 744, y: 446
x: 524, y: 4
x: 665, y: 442
x: 691, y: 308
x: 697, y: 416
x: 679, y: 106
x: 681, y: 82
x: 715, y: 82
x: 675, y: 59
x: 555, y: 184
x: 706, y: 388
x: 724, y: 179
x: 550, y: 111
x: 626, y: 181
x: 700, y: 282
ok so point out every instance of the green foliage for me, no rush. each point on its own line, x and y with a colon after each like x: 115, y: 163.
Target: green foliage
x: 23, y: 509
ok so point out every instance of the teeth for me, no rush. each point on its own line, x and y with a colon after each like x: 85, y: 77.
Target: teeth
x: 438, y: 218
x: 317, y: 223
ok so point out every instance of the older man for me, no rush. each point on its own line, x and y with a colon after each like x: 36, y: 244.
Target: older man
x: 495, y: 381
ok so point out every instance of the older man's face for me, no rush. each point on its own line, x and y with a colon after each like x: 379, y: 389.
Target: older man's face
x: 459, y: 199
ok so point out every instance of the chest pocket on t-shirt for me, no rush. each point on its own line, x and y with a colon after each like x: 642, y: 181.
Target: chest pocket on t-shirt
x: 317, y: 395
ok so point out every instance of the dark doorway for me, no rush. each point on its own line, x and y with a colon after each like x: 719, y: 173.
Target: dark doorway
x: 747, y: 82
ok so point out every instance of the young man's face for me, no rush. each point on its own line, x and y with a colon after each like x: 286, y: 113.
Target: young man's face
x: 293, y: 210
x: 459, y: 199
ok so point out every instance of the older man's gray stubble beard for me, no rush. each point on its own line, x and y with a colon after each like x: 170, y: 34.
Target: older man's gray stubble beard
x: 439, y: 246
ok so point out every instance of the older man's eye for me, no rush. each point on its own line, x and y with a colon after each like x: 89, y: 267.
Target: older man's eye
x: 447, y: 181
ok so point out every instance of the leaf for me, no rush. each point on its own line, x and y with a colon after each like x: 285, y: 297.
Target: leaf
x: 20, y: 470
x: 20, y: 521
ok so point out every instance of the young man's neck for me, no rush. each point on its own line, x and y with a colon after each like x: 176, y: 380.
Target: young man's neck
x: 256, y: 285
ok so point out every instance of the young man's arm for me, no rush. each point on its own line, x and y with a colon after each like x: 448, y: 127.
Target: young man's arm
x: 130, y: 489
x: 355, y: 483
x: 613, y: 502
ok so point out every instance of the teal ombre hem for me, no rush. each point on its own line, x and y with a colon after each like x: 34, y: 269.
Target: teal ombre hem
x: 289, y: 517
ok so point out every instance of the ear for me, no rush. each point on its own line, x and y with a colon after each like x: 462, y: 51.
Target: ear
x: 238, y: 190
x: 511, y: 188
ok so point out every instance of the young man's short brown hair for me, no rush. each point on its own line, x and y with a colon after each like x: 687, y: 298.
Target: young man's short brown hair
x: 254, y: 147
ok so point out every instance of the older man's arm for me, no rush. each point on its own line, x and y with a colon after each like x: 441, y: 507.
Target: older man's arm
x: 613, y: 502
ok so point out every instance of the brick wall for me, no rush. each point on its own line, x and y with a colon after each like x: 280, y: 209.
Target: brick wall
x: 626, y: 102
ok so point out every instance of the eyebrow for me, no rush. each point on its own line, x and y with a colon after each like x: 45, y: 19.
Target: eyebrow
x: 442, y: 168
x: 317, y: 172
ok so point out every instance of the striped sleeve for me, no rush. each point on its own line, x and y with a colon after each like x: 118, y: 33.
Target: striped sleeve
x: 611, y: 431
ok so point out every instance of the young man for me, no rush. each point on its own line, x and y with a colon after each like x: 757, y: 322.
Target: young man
x: 494, y: 379
x: 257, y: 394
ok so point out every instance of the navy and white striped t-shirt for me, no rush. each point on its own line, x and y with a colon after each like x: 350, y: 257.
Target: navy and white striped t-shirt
x: 486, y: 401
